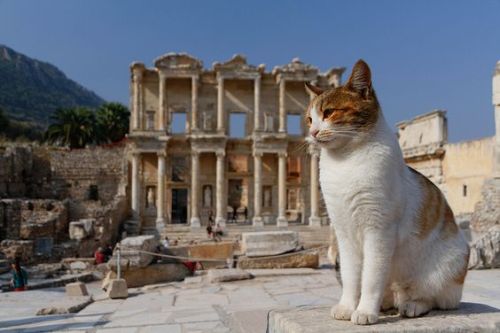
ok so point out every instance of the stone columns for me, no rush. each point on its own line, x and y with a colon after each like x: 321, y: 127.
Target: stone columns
x: 282, y: 107
x: 161, y: 101
x: 160, y: 197
x: 257, y: 216
x: 136, y: 187
x: 221, y: 202
x: 194, y: 103
x: 282, y: 221
x: 195, y: 189
x: 314, y: 220
x: 137, y: 100
x: 256, y: 119
x: 220, y: 104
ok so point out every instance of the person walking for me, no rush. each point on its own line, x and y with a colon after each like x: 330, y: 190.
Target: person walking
x: 19, y: 279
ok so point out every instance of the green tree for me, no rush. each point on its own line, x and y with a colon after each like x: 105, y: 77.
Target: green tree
x: 74, y: 127
x: 112, y: 122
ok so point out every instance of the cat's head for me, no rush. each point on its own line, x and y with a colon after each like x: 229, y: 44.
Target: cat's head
x: 339, y: 116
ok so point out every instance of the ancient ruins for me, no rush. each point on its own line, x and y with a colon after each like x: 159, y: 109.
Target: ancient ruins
x: 203, y: 169
x: 229, y: 139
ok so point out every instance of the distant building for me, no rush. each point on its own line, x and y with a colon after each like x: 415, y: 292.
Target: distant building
x: 191, y: 164
x: 459, y: 169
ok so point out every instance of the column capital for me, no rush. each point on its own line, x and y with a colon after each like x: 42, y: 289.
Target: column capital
x: 220, y: 153
x: 258, y: 154
x: 161, y: 154
x: 282, y: 154
x: 195, y: 153
x: 220, y: 77
x: 195, y: 79
x: 162, y: 75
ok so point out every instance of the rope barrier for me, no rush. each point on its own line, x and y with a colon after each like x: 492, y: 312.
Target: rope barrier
x: 170, y: 256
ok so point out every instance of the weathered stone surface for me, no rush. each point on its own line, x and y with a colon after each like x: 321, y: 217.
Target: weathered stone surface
x: 292, y: 260
x: 228, y: 274
x: 268, y: 243
x: 485, y: 252
x: 117, y: 289
x: 470, y: 317
x: 78, y: 263
x: 213, y: 250
x: 68, y: 305
x: 487, y: 211
x: 136, y: 259
x: 81, y: 229
x: 23, y: 249
x: 76, y: 289
x: 156, y: 273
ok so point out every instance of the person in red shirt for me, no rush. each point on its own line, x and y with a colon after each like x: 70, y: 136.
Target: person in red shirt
x: 99, y: 256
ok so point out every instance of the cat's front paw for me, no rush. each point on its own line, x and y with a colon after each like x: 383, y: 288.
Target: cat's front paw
x: 414, y: 309
x: 342, y: 312
x: 364, y: 318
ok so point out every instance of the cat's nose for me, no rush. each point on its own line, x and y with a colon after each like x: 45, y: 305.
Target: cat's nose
x: 314, y: 133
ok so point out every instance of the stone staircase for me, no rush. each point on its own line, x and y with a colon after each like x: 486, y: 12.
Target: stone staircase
x: 308, y: 236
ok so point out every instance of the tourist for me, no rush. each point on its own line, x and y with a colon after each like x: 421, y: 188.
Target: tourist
x: 99, y: 256
x: 210, y: 231
x: 108, y: 252
x: 19, y: 279
x: 165, y: 242
x: 218, y: 232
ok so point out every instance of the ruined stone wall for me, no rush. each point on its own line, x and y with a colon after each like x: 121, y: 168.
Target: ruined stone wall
x: 466, y: 165
x: 56, y: 173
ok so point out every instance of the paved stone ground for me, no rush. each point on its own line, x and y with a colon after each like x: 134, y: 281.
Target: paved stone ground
x: 195, y: 306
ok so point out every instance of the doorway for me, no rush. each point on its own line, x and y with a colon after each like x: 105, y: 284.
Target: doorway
x: 179, y: 205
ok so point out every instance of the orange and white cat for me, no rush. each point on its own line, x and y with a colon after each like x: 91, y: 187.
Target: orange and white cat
x: 398, y: 241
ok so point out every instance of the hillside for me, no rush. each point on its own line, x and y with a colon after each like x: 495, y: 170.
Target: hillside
x: 31, y: 90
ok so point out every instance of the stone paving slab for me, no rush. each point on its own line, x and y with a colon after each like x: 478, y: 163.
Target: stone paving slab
x: 470, y: 317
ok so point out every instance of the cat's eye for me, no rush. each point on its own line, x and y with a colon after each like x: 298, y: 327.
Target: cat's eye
x: 309, y: 120
x: 327, y: 113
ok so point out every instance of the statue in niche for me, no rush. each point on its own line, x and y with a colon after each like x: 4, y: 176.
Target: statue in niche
x: 267, y: 196
x: 207, y: 121
x: 150, y: 203
x: 207, y: 196
x: 269, y: 123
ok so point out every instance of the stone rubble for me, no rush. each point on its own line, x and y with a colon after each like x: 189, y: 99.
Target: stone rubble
x: 485, y: 252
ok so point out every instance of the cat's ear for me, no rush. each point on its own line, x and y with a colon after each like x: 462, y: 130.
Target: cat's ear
x: 312, y: 89
x: 361, y: 79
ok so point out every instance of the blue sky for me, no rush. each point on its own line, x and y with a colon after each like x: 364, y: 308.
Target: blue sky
x: 424, y: 55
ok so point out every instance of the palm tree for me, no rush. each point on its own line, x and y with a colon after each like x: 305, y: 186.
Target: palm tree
x: 73, y: 127
x: 112, y: 120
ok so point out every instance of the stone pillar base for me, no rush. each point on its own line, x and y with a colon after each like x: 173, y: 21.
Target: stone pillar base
x: 221, y: 221
x: 257, y: 221
x: 160, y: 224
x: 314, y: 221
x: 281, y: 222
x: 195, y: 222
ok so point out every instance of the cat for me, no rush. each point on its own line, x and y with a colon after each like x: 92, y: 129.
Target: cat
x: 398, y: 242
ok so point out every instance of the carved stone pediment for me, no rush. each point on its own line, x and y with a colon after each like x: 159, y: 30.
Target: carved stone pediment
x: 178, y: 61
x: 296, y: 68
x: 238, y: 63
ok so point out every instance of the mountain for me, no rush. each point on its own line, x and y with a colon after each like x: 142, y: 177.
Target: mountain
x: 31, y: 90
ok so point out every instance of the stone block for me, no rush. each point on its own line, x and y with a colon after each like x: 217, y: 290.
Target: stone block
x: 76, y: 289
x: 268, y: 243
x: 156, y: 273
x: 117, y: 289
x: 485, y: 252
x: 81, y: 229
x: 130, y: 247
x: 227, y: 275
x: 470, y: 317
x: 290, y: 260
